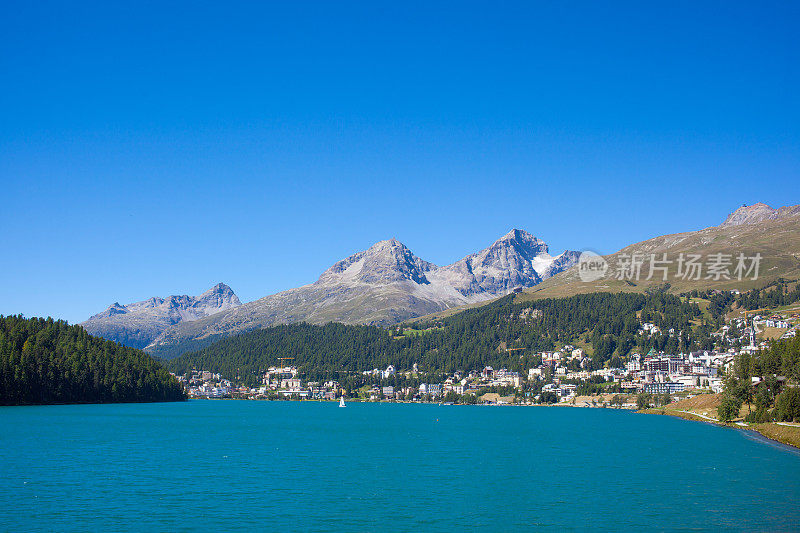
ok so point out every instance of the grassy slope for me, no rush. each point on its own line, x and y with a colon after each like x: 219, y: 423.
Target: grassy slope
x: 778, y: 242
x: 704, y: 405
x: 785, y: 434
x: 770, y: 333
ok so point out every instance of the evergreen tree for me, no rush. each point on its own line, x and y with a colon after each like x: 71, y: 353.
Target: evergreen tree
x: 46, y: 361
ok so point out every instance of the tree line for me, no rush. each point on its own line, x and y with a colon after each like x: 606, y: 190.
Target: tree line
x: 776, y: 294
x: 773, y: 397
x: 44, y: 361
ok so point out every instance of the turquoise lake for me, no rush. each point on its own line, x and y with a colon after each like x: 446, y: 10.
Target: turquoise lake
x: 306, y: 466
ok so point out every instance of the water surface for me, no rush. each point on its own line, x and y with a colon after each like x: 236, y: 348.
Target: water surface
x: 378, y: 467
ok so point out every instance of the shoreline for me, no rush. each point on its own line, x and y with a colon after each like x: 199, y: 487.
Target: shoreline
x: 757, y: 435
x: 763, y: 431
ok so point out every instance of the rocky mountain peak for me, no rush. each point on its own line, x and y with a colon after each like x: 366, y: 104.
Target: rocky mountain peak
x: 787, y: 211
x: 137, y: 324
x: 389, y: 247
x: 219, y: 296
x: 517, y: 259
x: 115, y: 309
x: 749, y: 214
x: 385, y: 261
x: 517, y: 235
x: 759, y: 212
x: 520, y: 242
x: 219, y: 288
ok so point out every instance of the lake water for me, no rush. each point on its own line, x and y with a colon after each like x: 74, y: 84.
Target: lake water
x: 300, y: 466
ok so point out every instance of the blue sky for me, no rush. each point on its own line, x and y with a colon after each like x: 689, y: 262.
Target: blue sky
x: 156, y: 149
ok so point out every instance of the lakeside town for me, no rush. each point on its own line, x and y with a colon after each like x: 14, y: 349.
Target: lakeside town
x: 562, y: 377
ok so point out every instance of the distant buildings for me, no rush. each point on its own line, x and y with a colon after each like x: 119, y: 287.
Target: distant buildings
x: 562, y: 373
x: 430, y: 389
x: 667, y: 387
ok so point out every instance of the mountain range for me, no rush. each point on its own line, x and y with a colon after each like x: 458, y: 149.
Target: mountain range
x: 387, y: 283
x: 139, y: 324
x: 381, y: 285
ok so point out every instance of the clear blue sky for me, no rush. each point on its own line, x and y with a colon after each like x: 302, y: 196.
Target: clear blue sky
x: 156, y: 149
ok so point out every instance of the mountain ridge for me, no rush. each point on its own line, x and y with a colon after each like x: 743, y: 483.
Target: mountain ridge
x: 759, y: 212
x: 773, y: 233
x: 139, y: 323
x: 386, y: 284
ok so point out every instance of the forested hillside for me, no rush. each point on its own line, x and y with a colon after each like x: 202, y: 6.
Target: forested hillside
x: 781, y: 292
x: 767, y: 381
x: 501, y: 334
x: 46, y: 361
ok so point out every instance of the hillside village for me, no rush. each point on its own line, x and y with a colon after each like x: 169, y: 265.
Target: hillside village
x: 561, y: 377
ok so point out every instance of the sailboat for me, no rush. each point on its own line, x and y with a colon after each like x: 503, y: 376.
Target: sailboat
x: 341, y: 402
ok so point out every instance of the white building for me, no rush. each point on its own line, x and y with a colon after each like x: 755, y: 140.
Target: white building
x: 534, y: 373
x: 431, y: 389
